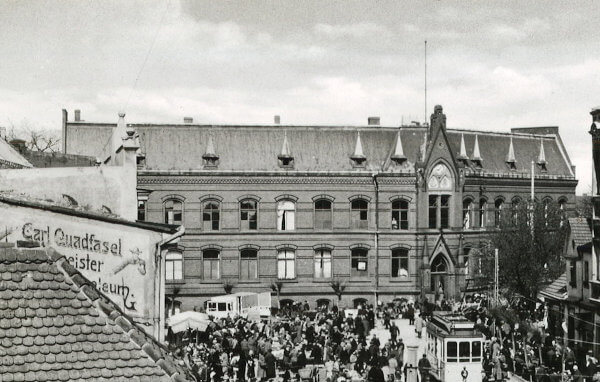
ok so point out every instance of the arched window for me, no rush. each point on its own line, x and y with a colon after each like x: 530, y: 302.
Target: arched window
x: 467, y: 261
x: 399, y: 262
x: 286, y: 264
x: 360, y: 213
x: 286, y: 210
x: 323, y: 214
x: 400, y: 214
x: 173, y: 211
x: 498, y: 204
x: 439, y: 265
x: 248, y: 264
x: 440, y: 178
x: 359, y: 262
x: 248, y: 214
x: 483, y: 212
x: 210, y: 264
x: 514, y: 210
x: 210, y: 215
x: 322, y: 263
x: 468, y: 219
x: 174, y: 266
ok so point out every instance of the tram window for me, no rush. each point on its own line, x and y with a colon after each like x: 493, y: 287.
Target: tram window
x: 476, y: 351
x: 451, y: 351
x: 464, y: 351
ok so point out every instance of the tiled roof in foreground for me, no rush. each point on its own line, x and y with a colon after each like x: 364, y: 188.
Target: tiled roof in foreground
x: 55, y: 326
x: 557, y: 290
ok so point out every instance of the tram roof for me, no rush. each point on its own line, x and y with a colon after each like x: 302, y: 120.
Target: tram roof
x: 451, y: 324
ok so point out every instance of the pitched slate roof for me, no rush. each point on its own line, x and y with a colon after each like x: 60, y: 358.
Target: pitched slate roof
x: 315, y: 148
x: 55, y: 326
x: 581, y: 230
x: 10, y: 157
x: 557, y: 290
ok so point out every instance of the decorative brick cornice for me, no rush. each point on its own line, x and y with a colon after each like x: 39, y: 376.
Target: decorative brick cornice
x: 252, y: 180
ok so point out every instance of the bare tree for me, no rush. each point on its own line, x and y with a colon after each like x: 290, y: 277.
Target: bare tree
x: 36, y: 139
x: 338, y: 288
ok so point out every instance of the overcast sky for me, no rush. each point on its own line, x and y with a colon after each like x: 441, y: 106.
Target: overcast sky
x: 492, y: 65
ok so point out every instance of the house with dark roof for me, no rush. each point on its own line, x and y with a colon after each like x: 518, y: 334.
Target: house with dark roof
x: 389, y: 211
x: 571, y: 308
x: 56, y: 326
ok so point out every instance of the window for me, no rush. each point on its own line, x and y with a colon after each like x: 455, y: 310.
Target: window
x: 498, y: 212
x: 439, y: 211
x: 248, y: 264
x: 248, y: 214
x: 586, y: 273
x: 451, y: 351
x: 360, y: 213
x: 476, y: 351
x: 323, y: 214
x: 514, y: 211
x: 399, y: 214
x: 469, y: 265
x: 141, y: 208
x: 210, y: 216
x: 573, y: 273
x: 174, y: 266
x: 482, y: 213
x: 400, y: 262
x: 464, y: 351
x: 286, y: 264
x: 173, y: 212
x: 358, y: 266
x: 210, y: 264
x: 285, y: 215
x: 468, y: 214
x: 173, y: 306
x: 433, y: 201
x: 439, y: 265
x: 322, y: 264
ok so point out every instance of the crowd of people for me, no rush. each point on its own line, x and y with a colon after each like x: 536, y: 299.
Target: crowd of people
x: 299, y: 344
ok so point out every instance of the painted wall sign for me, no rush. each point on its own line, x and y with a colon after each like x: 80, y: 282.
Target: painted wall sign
x: 118, y: 259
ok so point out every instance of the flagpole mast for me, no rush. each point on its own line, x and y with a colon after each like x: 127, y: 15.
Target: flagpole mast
x: 425, y: 81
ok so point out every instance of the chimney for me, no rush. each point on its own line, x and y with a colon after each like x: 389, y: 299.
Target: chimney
x: 77, y: 115
x: 373, y: 121
x: 188, y: 120
x: 277, y: 120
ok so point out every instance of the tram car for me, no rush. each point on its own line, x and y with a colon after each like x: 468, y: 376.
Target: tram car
x: 453, y: 346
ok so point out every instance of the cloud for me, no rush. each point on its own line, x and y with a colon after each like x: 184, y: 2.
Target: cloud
x: 356, y: 31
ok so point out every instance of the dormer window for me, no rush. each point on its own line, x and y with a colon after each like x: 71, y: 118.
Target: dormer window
x: 477, y: 163
x: 286, y: 161
x: 542, y: 167
x: 512, y: 165
x: 358, y: 161
x: 210, y: 160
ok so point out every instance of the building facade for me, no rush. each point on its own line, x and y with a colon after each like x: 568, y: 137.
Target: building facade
x: 388, y: 212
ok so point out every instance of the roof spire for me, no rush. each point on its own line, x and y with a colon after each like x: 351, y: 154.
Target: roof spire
x: 210, y: 157
x: 476, y: 153
x: 463, y: 149
x: 542, y: 157
x: 398, y: 155
x: 510, y: 157
x: 358, y: 157
x: 285, y: 149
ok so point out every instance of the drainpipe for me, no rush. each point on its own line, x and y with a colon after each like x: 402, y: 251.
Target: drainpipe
x: 159, y: 284
x: 376, y: 184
